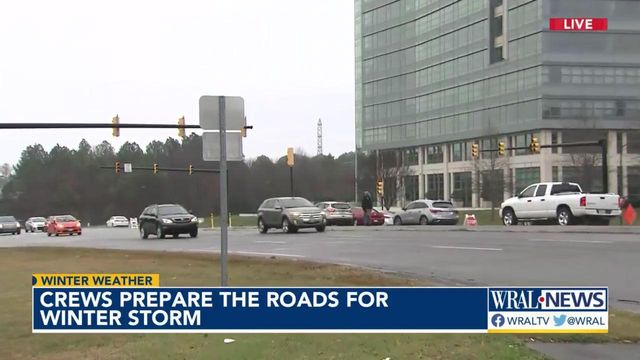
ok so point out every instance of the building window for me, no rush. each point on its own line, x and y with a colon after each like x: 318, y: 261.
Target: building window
x: 522, y: 141
x: 459, y: 151
x: 526, y: 177
x: 554, y: 140
x: 489, y: 144
x: 492, y: 186
x: 585, y: 173
x: 462, y: 188
x: 434, y: 154
x: 435, y: 186
x: 555, y: 176
x: 411, y: 187
x: 411, y: 157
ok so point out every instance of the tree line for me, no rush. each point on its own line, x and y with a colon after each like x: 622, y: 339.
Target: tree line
x: 71, y: 181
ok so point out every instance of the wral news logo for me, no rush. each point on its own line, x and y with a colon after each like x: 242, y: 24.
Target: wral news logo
x: 548, y: 310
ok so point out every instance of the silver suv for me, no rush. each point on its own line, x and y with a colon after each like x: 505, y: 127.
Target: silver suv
x: 336, y: 212
x: 425, y: 212
x: 289, y: 214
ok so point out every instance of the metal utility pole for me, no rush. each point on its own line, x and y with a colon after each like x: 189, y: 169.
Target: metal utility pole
x: 224, y: 213
x: 319, y: 136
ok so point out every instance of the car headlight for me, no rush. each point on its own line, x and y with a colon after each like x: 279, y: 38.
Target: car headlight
x: 194, y: 219
x: 17, y: 224
x: 0, y: 226
x: 295, y: 213
x: 167, y: 221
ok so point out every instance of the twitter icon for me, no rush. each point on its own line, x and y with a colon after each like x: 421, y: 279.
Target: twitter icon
x: 559, y: 320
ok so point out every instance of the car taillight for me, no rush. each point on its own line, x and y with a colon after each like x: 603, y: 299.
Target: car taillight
x: 331, y: 209
x: 434, y: 211
x: 583, y: 201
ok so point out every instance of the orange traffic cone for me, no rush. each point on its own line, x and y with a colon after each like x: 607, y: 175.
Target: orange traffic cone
x: 629, y: 215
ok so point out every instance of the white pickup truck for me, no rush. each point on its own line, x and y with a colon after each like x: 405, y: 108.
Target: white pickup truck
x: 564, y: 202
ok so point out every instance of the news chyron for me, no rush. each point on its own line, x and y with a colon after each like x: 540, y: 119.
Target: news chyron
x: 548, y: 310
x: 137, y: 303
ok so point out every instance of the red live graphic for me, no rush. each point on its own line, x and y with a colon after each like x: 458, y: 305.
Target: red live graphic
x: 578, y: 24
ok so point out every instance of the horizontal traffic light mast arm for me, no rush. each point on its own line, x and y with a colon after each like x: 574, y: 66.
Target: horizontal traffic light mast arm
x: 93, y: 126
x: 575, y: 144
x: 150, y: 168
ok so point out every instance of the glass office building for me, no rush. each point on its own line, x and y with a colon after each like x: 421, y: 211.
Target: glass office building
x: 435, y: 76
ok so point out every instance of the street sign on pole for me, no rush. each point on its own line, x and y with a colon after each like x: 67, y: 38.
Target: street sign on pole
x: 233, y: 112
x: 211, y: 146
x: 222, y: 113
x: 127, y: 167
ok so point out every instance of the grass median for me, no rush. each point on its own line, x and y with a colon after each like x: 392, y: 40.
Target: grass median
x: 178, y: 269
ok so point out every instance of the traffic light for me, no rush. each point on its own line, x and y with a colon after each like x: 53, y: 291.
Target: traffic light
x: 117, y: 167
x: 501, y: 148
x: 380, y: 187
x: 475, y: 150
x: 181, y: 132
x: 190, y: 169
x: 534, y: 146
x: 116, y: 130
x: 290, y: 157
x: 155, y: 168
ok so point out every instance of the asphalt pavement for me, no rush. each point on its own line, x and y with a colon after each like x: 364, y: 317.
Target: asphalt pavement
x: 524, y: 255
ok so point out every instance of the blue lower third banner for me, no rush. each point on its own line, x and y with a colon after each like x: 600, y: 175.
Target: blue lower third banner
x: 304, y: 310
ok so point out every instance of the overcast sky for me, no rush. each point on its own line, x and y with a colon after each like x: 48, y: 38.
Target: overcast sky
x: 150, y: 61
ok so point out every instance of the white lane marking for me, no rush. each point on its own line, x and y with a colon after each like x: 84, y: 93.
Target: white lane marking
x: 270, y: 242
x: 465, y: 248
x: 265, y: 254
x: 573, y: 241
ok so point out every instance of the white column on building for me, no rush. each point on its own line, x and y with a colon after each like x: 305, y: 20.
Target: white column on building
x: 625, y: 181
x: 475, y: 195
x: 546, y: 167
x: 445, y: 169
x: 612, y: 172
x: 421, y: 162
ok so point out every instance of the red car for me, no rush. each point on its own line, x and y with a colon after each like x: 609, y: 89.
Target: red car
x: 63, y: 224
x: 375, y: 217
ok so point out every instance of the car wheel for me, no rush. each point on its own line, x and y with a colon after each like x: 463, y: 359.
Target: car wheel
x: 397, y: 221
x: 509, y: 218
x: 287, y: 227
x: 262, y: 228
x: 57, y: 234
x: 79, y: 233
x: 320, y: 228
x: 194, y: 233
x: 48, y: 234
x: 175, y: 236
x: 159, y: 232
x: 564, y: 216
x: 424, y: 220
x: 143, y: 234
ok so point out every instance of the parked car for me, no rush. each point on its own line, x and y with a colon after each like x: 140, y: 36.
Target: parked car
x: 336, y: 213
x: 9, y: 225
x: 116, y: 221
x: 427, y: 212
x: 63, y: 224
x: 35, y: 224
x: 289, y: 214
x: 564, y: 202
x: 167, y: 219
x: 375, y: 218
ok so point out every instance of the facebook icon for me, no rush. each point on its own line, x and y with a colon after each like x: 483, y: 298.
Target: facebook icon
x: 497, y: 320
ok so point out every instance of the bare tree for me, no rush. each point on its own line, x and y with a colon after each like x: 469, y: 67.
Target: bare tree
x: 490, y: 179
x: 586, y: 171
x: 392, y: 171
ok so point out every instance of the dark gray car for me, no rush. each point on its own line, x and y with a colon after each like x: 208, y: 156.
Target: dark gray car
x: 289, y: 214
x: 9, y: 224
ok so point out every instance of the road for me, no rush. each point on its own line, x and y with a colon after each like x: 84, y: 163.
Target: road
x: 530, y: 256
